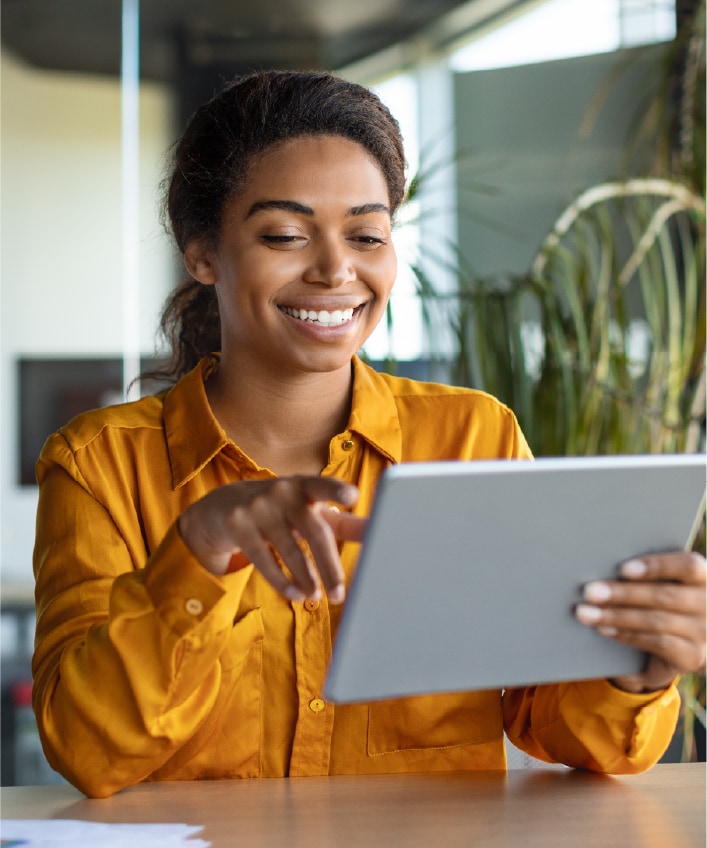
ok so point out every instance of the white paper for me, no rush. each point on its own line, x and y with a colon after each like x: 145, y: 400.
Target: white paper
x: 56, y: 833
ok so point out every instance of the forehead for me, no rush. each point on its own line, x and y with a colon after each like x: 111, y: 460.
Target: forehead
x: 313, y: 166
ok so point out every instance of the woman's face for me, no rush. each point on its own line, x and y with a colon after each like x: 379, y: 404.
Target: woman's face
x: 305, y: 264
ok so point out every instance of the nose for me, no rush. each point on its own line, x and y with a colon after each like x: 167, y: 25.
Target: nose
x: 331, y: 264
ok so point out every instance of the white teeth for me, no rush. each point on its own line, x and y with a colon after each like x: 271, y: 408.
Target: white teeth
x: 323, y: 318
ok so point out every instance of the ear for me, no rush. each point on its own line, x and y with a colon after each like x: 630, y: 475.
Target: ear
x: 199, y: 260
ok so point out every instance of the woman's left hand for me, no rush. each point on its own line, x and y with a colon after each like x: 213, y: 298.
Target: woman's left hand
x: 658, y: 606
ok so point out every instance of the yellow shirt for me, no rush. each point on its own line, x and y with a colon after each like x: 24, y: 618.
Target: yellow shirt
x: 147, y: 667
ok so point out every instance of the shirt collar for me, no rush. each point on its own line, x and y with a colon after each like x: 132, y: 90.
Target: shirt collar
x: 194, y: 436
x: 374, y: 413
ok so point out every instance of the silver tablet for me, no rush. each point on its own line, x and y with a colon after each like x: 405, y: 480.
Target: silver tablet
x: 469, y: 571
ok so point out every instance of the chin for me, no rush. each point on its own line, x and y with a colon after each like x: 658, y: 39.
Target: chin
x: 323, y: 363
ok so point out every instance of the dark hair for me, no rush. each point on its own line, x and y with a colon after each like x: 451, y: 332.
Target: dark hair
x: 211, y: 162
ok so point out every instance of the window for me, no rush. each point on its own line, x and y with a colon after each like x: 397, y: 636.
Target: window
x: 560, y: 29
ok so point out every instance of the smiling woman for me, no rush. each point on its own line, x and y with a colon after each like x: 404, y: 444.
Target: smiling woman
x: 298, y: 240
x: 193, y: 548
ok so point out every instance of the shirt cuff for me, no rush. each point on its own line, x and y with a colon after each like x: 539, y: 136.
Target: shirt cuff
x: 603, y: 696
x: 184, y: 593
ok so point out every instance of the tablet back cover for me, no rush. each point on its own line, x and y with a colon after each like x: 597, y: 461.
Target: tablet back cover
x: 469, y: 571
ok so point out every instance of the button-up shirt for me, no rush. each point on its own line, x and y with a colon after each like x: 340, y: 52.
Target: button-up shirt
x: 148, y: 667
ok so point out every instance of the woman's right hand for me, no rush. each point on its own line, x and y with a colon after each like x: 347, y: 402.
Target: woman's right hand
x: 257, y: 518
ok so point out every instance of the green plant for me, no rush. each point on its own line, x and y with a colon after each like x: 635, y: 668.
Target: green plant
x: 599, y: 347
x: 694, y: 717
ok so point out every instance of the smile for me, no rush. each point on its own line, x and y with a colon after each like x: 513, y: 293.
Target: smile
x: 323, y: 318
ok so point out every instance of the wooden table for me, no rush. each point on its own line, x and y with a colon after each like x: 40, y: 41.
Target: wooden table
x: 664, y: 808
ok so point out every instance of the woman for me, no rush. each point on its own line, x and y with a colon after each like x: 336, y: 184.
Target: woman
x: 193, y: 548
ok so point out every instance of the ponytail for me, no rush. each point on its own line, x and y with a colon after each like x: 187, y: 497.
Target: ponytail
x: 191, y: 326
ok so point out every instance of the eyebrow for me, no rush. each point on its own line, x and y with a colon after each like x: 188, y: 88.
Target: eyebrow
x: 301, y: 209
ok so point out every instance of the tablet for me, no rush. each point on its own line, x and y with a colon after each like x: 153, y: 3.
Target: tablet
x: 469, y: 571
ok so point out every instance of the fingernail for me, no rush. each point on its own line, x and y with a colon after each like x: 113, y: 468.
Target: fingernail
x: 607, y: 631
x: 348, y: 495
x: 292, y: 593
x: 587, y: 614
x: 597, y: 592
x: 337, y: 594
x: 633, y: 568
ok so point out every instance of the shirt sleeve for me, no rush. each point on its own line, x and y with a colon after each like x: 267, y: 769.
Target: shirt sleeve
x: 126, y: 657
x: 591, y: 724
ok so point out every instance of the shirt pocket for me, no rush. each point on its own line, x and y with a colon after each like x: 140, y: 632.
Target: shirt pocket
x: 434, y: 721
x: 247, y: 632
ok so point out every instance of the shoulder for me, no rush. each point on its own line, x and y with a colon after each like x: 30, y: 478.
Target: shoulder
x: 143, y: 414
x: 416, y: 392
x: 439, y: 421
x: 95, y: 434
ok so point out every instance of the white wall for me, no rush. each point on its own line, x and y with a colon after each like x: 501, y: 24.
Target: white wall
x: 61, y: 244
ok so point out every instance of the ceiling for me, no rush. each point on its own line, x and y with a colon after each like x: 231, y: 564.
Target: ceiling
x: 229, y: 35
x: 194, y: 45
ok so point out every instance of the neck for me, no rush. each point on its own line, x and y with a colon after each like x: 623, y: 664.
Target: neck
x: 283, y: 422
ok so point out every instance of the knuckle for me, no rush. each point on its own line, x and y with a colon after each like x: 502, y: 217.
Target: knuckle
x: 236, y: 520
x: 663, y: 642
x: 262, y: 502
x: 284, y: 487
x: 661, y: 622
x: 670, y: 594
x: 693, y: 660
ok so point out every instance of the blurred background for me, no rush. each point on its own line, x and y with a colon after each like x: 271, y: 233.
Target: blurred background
x: 556, y: 160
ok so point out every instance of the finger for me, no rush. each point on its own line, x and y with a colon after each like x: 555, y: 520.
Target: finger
x: 681, y: 655
x: 637, y: 620
x: 277, y: 521
x: 295, y: 558
x: 657, y: 674
x: 291, y: 508
x: 347, y: 527
x: 312, y: 526
x: 686, y: 599
x: 328, y: 489
x: 260, y: 554
x: 681, y: 566
x: 676, y: 639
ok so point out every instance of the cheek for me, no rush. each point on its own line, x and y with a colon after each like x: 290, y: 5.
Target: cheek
x: 383, y: 272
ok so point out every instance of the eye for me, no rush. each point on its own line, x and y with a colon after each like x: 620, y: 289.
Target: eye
x: 282, y: 240
x: 368, y: 241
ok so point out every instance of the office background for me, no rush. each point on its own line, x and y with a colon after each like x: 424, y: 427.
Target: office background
x: 82, y: 283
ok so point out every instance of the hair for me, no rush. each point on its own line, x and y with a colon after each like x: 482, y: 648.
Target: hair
x: 212, y: 159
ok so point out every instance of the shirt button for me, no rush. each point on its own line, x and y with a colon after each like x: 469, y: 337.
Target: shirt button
x: 348, y: 445
x: 316, y: 705
x: 194, y: 606
x: 311, y: 605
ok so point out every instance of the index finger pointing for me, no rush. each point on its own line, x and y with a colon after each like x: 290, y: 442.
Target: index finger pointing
x: 347, y: 527
x: 679, y: 566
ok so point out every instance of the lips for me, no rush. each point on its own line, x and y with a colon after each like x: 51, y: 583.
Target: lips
x: 323, y: 317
